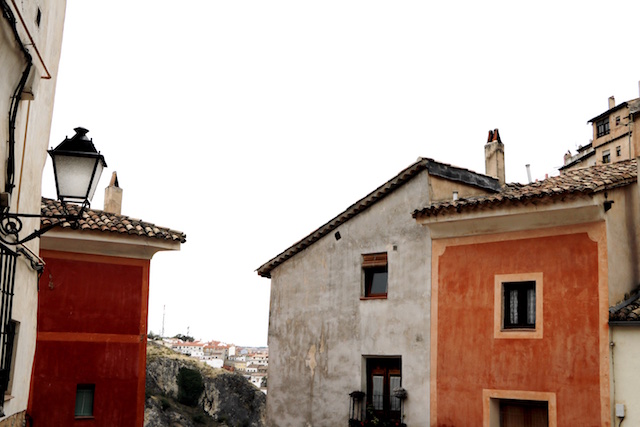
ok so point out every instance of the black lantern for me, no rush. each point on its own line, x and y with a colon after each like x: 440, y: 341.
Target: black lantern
x: 77, y: 167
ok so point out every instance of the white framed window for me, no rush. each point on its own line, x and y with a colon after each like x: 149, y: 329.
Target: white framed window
x: 518, y: 306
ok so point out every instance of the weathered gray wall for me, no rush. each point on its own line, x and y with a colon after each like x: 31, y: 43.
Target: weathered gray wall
x: 320, y: 329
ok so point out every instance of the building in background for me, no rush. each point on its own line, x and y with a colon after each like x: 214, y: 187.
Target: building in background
x: 350, y: 303
x: 519, y: 300
x: 90, y: 359
x: 613, y: 139
x: 30, y: 41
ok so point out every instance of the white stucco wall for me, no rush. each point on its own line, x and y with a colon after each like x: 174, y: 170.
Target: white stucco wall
x: 320, y: 329
x: 32, y: 137
x: 626, y: 366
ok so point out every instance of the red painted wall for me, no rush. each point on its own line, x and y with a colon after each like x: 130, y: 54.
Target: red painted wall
x: 565, y: 361
x: 92, y: 322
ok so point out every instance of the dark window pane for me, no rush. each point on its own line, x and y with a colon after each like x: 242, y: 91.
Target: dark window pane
x: 519, y: 299
x: 84, y: 400
x: 379, y: 283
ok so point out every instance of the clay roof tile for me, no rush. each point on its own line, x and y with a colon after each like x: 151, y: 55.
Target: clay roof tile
x: 106, y: 222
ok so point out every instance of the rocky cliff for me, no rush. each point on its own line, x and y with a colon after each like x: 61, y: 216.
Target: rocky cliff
x: 226, y: 399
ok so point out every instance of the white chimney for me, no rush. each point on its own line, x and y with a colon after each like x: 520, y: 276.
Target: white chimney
x: 113, y: 196
x: 494, y: 156
x: 612, y: 102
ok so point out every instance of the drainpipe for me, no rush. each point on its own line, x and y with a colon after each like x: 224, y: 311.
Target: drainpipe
x: 15, y: 99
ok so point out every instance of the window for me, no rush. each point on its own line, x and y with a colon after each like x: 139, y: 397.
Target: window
x: 84, y: 400
x: 602, y: 127
x: 617, y: 120
x: 518, y: 306
x: 374, y: 268
x: 618, y: 151
x: 606, y: 156
x: 383, y: 377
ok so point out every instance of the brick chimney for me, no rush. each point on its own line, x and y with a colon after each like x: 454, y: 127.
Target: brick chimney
x: 113, y: 196
x: 494, y: 156
x: 612, y: 102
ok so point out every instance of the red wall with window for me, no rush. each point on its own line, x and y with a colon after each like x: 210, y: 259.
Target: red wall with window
x: 92, y: 323
x: 565, y: 361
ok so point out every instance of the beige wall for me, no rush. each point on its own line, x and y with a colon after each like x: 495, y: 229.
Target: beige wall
x: 32, y: 137
x: 623, y: 237
x: 626, y: 366
x: 320, y: 330
x: 615, y: 131
x: 618, y: 137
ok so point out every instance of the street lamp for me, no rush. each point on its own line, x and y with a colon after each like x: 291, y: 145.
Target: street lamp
x: 77, y: 167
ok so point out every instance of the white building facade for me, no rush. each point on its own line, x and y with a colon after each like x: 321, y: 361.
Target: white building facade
x: 30, y: 44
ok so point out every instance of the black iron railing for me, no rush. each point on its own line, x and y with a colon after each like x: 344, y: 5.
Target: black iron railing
x: 364, y: 414
x: 7, y: 325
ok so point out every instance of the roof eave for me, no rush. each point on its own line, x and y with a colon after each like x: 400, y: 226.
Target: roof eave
x: 609, y: 111
x: 435, y: 168
x: 108, y: 244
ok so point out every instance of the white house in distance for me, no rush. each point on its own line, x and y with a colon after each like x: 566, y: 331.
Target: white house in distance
x: 30, y: 42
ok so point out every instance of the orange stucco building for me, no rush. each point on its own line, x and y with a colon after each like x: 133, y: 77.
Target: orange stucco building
x: 520, y: 298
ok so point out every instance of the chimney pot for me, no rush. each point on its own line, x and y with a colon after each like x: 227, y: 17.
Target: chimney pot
x: 494, y: 157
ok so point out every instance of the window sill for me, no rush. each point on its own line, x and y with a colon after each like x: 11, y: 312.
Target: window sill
x: 8, y: 397
x: 519, y: 333
x: 373, y: 297
x: 84, y: 417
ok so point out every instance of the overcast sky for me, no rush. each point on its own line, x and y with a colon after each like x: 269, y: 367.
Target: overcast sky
x: 249, y: 124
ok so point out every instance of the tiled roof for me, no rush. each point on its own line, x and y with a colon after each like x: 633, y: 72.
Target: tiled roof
x: 442, y: 170
x: 106, y: 222
x: 577, y: 182
x: 628, y: 310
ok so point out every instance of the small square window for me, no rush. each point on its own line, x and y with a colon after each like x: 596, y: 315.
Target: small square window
x: 606, y: 156
x: 617, y: 120
x: 84, y: 400
x: 519, y: 300
x: 375, y: 272
x: 618, y: 151
x: 518, y: 308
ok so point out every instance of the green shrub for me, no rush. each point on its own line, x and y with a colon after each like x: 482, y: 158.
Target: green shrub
x: 190, y: 386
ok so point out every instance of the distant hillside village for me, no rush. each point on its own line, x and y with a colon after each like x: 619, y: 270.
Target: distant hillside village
x: 251, y: 362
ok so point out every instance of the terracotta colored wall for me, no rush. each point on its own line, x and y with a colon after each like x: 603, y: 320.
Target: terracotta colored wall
x: 92, y: 314
x: 566, y: 361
